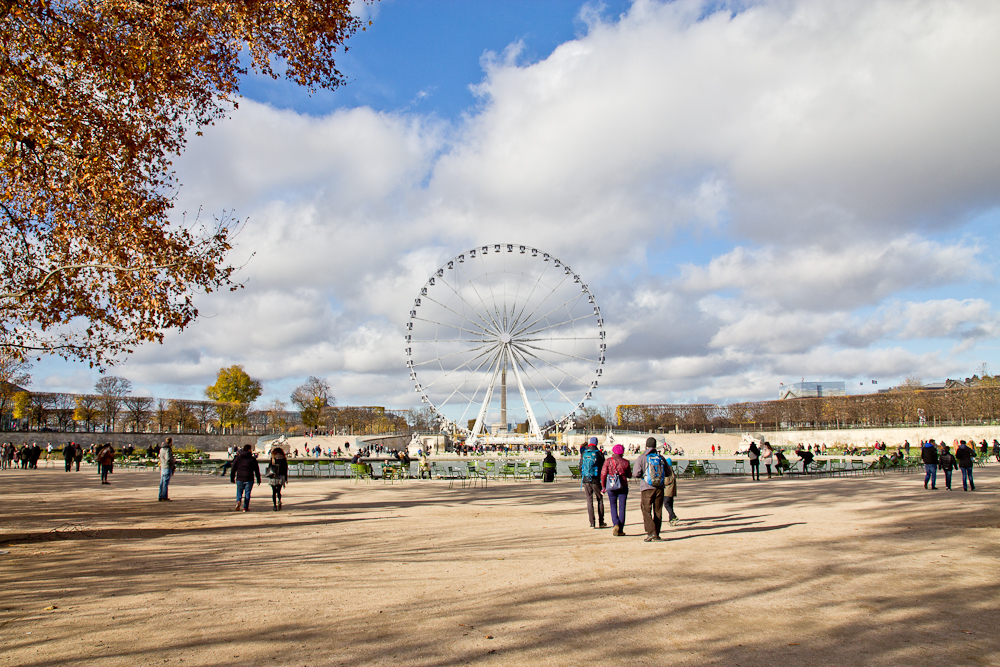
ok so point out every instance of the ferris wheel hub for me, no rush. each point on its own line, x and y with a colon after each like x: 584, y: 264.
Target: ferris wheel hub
x: 505, y: 338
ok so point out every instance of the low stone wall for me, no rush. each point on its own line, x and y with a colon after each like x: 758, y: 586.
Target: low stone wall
x: 893, y: 437
x: 204, y: 442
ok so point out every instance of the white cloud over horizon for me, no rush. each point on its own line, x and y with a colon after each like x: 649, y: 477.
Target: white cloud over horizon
x: 826, y: 159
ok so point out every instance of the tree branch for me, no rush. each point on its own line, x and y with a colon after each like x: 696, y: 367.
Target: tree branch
x: 73, y: 267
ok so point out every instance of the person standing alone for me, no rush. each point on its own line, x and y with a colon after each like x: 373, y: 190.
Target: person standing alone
x: 166, y: 468
x: 651, y: 470
x: 591, y: 462
x: 245, y: 466
x: 106, y: 461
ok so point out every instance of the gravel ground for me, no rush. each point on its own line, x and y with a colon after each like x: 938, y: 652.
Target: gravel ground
x: 850, y: 571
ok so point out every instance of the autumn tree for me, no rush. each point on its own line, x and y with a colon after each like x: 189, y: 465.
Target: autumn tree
x: 97, y: 98
x: 15, y: 374
x: 87, y: 409
x: 21, y: 405
x: 234, y: 391
x: 311, y: 398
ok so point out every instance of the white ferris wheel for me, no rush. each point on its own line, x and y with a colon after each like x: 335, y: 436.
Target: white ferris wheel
x: 498, y: 315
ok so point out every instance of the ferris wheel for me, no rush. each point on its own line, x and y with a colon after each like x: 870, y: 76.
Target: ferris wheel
x: 498, y: 315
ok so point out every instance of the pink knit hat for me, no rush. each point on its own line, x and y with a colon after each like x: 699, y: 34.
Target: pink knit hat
x: 618, y: 449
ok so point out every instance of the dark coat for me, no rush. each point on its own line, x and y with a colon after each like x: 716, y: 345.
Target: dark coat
x: 245, y: 467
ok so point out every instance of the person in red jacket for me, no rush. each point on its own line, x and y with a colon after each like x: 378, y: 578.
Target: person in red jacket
x: 619, y: 469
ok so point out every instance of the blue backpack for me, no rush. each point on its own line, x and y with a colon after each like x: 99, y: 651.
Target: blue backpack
x: 655, y: 470
x: 589, y: 466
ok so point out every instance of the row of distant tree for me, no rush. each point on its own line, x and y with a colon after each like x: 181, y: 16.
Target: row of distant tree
x: 229, y: 407
x: 976, y: 400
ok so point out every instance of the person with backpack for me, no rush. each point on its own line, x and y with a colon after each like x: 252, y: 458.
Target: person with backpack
x: 614, y: 482
x: 651, y: 471
x: 591, y: 462
x: 754, y: 455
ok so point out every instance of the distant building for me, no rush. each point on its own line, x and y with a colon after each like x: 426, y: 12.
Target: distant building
x: 812, y: 390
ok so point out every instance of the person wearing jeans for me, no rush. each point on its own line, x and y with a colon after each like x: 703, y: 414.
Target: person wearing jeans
x: 245, y: 467
x: 966, y: 459
x: 166, y: 468
x: 617, y: 465
x: 929, y: 455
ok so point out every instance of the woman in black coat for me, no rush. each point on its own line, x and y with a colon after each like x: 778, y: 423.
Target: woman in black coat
x: 278, y: 477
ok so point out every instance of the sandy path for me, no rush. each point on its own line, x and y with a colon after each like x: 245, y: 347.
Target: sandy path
x: 872, y: 571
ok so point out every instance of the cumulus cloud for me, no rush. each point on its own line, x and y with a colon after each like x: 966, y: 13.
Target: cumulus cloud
x: 826, y: 154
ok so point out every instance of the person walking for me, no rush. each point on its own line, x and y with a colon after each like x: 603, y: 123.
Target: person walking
x: 78, y: 455
x: 929, y: 455
x: 614, y: 481
x: 591, y: 463
x: 966, y: 458
x: 69, y: 453
x: 767, y: 457
x: 754, y: 455
x: 996, y: 450
x: 278, y: 476
x: 106, y: 461
x: 946, y: 463
x: 650, y: 470
x: 245, y: 467
x: 167, y: 464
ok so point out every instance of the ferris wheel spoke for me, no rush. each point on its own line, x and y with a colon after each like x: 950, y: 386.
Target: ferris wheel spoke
x: 548, y: 363
x: 569, y: 304
x: 534, y: 388
x: 527, y: 299
x: 489, y: 326
x: 482, y: 260
x: 553, y: 326
x: 452, y: 354
x: 543, y: 300
x: 473, y: 371
x: 451, y: 326
x: 461, y: 315
x: 472, y: 284
x: 545, y: 377
x: 571, y: 356
x: 543, y: 340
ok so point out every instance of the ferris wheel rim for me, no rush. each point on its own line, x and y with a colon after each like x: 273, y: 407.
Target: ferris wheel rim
x: 518, y: 339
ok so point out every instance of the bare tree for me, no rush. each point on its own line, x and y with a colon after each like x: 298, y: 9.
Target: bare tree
x: 137, y: 412
x: 112, y: 390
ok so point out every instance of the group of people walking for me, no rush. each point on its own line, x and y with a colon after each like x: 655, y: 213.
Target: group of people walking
x: 657, y: 486
x: 940, y: 457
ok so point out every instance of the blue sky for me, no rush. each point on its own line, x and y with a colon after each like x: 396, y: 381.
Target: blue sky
x: 798, y: 189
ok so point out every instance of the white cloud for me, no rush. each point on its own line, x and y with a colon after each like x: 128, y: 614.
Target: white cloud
x: 820, y: 153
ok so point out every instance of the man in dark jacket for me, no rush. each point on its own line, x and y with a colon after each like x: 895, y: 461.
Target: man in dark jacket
x: 966, y: 459
x: 929, y: 455
x: 245, y: 467
x: 591, y: 462
x: 69, y: 452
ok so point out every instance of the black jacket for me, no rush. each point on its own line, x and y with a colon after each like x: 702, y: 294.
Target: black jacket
x: 965, y: 457
x: 946, y: 461
x: 245, y: 466
x: 929, y: 455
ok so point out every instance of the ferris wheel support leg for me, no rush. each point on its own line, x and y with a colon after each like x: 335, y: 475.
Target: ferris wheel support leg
x: 532, y: 422
x: 478, y: 428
